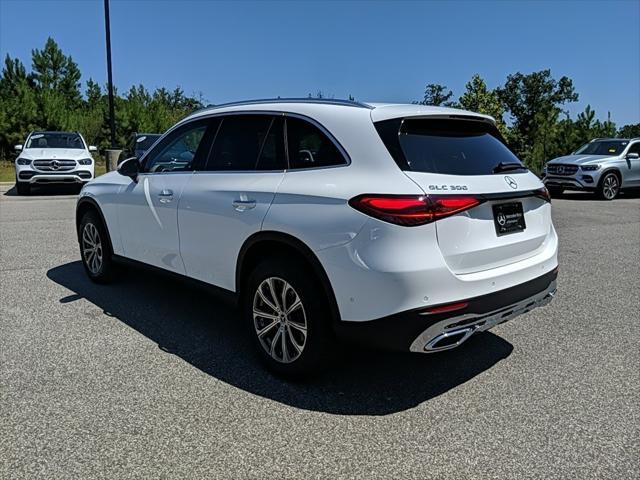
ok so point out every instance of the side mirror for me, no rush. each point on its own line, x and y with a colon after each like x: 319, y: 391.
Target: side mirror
x: 633, y: 156
x: 18, y: 148
x: 130, y: 168
x: 93, y: 148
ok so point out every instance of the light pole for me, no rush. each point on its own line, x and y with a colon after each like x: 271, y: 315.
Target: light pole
x: 111, y: 155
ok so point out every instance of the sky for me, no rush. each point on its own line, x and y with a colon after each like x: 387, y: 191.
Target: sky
x: 375, y: 51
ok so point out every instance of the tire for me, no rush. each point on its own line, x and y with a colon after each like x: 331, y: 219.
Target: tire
x: 609, y: 186
x: 555, y: 191
x: 305, y: 330
x: 95, y: 248
x: 23, y: 188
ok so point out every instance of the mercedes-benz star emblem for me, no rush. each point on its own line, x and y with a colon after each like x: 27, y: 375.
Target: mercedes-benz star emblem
x: 511, y: 182
x: 55, y: 164
x: 560, y: 170
x: 501, y: 219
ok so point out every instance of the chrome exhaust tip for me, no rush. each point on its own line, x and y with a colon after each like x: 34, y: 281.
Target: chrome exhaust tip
x: 448, y: 340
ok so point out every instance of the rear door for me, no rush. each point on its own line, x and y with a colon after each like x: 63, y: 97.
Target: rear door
x: 466, y: 157
x: 229, y: 195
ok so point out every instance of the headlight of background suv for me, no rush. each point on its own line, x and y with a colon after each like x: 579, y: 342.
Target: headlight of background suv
x: 590, y: 168
x: 85, y: 161
x: 24, y: 161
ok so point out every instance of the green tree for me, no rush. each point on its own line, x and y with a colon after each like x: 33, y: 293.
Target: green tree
x: 436, y: 95
x: 629, y: 131
x: 478, y: 98
x: 534, y: 102
x: 18, y: 106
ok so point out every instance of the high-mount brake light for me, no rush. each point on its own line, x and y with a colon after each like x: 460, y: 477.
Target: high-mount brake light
x: 412, y: 210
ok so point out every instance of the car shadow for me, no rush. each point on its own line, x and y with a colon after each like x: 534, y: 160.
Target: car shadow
x: 48, y: 190
x: 194, y: 325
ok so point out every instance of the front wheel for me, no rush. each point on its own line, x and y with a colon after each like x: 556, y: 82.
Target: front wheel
x: 95, y: 248
x: 609, y: 187
x: 288, y: 318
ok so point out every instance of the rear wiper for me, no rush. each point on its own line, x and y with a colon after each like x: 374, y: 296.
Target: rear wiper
x: 508, y: 166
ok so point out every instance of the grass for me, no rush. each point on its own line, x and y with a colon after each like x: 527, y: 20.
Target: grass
x: 8, y: 170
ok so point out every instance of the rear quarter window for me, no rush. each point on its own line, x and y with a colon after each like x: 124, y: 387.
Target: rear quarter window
x: 453, y: 147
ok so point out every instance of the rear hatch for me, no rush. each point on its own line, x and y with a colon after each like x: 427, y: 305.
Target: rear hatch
x: 466, y: 156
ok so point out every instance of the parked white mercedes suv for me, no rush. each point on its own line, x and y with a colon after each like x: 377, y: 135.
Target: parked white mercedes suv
x: 53, y: 157
x: 403, y: 226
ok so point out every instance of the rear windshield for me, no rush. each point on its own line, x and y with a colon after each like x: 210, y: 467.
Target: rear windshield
x: 454, y: 147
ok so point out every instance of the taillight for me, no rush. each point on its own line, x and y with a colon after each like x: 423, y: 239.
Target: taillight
x: 543, y: 193
x: 412, y: 210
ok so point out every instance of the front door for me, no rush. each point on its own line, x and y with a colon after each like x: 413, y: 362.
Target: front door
x: 147, y: 208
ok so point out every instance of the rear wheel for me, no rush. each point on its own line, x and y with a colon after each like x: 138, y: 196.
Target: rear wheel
x: 95, y: 248
x: 23, y: 188
x: 288, y: 318
x: 609, y: 186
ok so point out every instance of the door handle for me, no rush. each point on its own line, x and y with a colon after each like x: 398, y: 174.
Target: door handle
x: 166, y: 196
x: 243, y: 205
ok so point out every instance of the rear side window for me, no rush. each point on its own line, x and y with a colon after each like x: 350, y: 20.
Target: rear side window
x: 453, y: 147
x: 248, y: 142
x: 309, y: 147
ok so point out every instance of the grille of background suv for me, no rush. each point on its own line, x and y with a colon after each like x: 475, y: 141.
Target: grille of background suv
x: 54, y: 165
x: 562, y: 169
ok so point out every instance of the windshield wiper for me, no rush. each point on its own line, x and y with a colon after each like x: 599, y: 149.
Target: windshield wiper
x: 508, y: 166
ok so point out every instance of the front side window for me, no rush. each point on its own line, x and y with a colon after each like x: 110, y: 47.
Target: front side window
x: 634, y: 148
x: 603, y: 147
x: 178, y: 151
x: 55, y: 140
x: 309, y: 147
x: 248, y: 142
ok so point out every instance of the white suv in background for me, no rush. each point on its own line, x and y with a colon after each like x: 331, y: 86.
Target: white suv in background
x: 403, y: 226
x: 53, y: 157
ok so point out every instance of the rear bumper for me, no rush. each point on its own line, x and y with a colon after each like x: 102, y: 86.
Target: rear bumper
x: 418, y: 331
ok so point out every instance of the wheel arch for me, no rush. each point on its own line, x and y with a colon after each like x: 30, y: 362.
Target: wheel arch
x: 86, y: 204
x: 261, y: 244
x: 613, y: 170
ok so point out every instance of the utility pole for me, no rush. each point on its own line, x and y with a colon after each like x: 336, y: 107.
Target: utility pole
x: 112, y: 119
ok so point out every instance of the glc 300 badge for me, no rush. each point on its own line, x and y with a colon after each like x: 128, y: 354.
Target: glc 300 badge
x: 511, y: 182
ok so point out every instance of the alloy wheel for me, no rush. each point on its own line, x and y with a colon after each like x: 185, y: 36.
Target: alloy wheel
x: 92, y: 248
x: 610, y: 187
x: 279, y: 320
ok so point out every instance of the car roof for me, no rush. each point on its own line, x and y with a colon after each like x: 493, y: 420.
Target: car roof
x: 311, y: 106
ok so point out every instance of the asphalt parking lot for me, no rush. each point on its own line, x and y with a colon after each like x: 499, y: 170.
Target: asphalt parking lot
x: 150, y: 378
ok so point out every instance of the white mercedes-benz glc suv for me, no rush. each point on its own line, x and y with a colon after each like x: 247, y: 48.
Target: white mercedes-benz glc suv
x: 53, y: 157
x: 402, y: 226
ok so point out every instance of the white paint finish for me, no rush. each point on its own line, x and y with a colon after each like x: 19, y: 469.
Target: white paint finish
x: 148, y: 219
x: 212, y: 229
x: 375, y: 268
x: 55, y: 154
x: 388, y: 269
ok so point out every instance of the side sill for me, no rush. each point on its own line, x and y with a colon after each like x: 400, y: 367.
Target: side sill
x: 223, y: 294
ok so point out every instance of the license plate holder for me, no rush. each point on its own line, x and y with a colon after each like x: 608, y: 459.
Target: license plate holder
x: 508, y: 218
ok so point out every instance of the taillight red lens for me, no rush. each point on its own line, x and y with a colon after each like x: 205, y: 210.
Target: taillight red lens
x: 412, y: 210
x: 543, y: 193
x: 449, y: 307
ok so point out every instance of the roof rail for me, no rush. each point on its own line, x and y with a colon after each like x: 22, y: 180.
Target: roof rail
x: 324, y: 101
